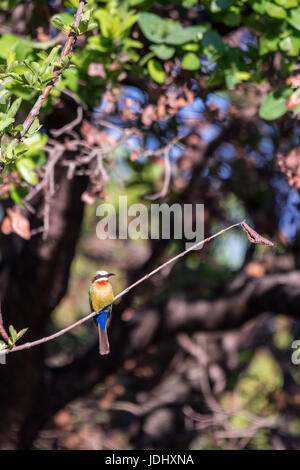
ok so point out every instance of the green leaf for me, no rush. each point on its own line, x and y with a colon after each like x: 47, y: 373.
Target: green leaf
x: 33, y: 143
x: 18, y: 128
x: 3, y: 96
x: 190, y: 47
x: 23, y: 49
x: 72, y: 4
x: 294, y: 18
x: 287, y: 3
x: 92, y: 25
x: 104, y: 21
x: 8, y: 43
x: 145, y: 59
x: 218, y: 5
x: 25, y: 167
x: 77, y: 30
x: 11, y: 57
x: 232, y: 18
x: 35, y: 126
x: 242, y: 75
x: 17, y: 193
x: 51, y: 58
x: 21, y: 333
x: 10, y: 150
x: 29, y: 78
x: 62, y: 21
x: 156, y: 71
x: 190, y: 61
x: 162, y: 51
x: 258, y: 6
x: 153, y: 27
x: 291, y: 45
x: 213, y: 44
x: 6, y: 122
x: 189, y: 3
x: 34, y: 67
x: 57, y: 23
x: 166, y: 31
x: 275, y: 11
x: 183, y: 35
x: 65, y: 60
x: 14, y: 108
x: 13, y: 333
x: 274, y: 105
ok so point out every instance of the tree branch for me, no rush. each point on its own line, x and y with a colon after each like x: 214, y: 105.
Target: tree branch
x: 144, y: 278
x: 67, y: 50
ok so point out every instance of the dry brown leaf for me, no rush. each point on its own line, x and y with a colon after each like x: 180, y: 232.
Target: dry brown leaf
x: 189, y: 94
x: 88, y: 198
x: 16, y: 222
x: 180, y: 103
x: 129, y: 364
x: 290, y: 166
x: 149, y: 115
x: 113, y: 67
x: 194, y: 139
x: 19, y: 223
x: 255, y: 269
x: 161, y: 107
x: 127, y: 114
x: 42, y: 35
x: 110, y: 96
x: 62, y: 418
x: 293, y: 80
x: 97, y: 70
x: 255, y: 237
x: 6, y: 227
x: 134, y: 156
x: 294, y: 100
x: 122, y: 76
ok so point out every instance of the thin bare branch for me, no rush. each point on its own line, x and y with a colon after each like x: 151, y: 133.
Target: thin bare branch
x: 167, y: 178
x: 68, y: 127
x: 125, y: 291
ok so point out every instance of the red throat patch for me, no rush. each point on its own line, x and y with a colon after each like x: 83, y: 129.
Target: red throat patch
x: 101, y: 282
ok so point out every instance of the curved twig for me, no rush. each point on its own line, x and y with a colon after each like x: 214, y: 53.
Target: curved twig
x: 125, y: 291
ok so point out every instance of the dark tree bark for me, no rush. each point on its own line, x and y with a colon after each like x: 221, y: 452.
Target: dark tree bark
x: 34, y: 278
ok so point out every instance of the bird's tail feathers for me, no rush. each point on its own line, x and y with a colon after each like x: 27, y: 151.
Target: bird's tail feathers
x: 103, y: 341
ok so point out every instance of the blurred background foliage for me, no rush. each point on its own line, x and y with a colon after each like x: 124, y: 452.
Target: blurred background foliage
x: 213, y: 88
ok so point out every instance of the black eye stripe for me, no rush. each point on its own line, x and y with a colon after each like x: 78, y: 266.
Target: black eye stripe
x: 99, y: 276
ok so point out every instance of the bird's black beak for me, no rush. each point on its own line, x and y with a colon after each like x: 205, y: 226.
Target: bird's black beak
x: 110, y: 274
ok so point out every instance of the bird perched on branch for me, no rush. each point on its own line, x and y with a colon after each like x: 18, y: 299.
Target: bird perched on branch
x: 101, y: 297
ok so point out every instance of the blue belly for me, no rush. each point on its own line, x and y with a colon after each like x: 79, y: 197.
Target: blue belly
x: 101, y: 319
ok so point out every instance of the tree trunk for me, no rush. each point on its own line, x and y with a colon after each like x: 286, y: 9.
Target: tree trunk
x: 34, y: 278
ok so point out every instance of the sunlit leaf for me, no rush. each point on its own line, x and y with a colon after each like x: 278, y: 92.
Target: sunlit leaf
x: 156, y: 71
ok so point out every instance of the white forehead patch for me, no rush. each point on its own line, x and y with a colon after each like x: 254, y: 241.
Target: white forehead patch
x: 102, y: 273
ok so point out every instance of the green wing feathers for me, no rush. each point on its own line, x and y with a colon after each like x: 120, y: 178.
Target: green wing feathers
x: 90, y: 297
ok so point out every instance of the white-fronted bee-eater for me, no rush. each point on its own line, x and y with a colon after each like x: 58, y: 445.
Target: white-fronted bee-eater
x: 101, y: 297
